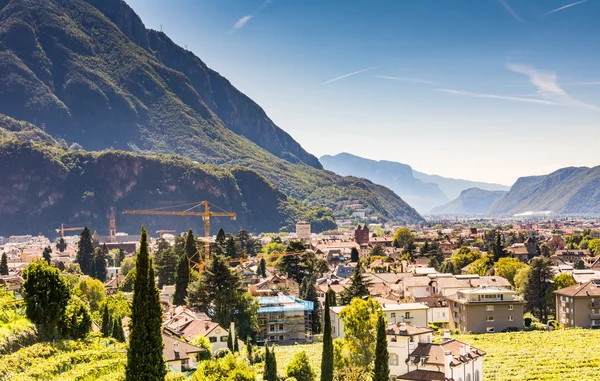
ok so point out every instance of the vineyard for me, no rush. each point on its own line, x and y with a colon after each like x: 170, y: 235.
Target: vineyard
x: 564, y: 355
x: 285, y: 354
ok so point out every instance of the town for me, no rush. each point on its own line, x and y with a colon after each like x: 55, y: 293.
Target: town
x: 433, y: 286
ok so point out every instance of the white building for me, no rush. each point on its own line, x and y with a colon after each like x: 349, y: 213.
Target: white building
x: 303, y: 230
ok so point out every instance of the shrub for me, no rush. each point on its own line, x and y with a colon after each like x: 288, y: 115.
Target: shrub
x: 220, y: 353
x: 300, y: 369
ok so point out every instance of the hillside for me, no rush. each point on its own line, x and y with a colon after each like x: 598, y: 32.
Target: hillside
x: 418, y: 189
x: 470, y: 201
x: 89, y: 72
x: 573, y: 190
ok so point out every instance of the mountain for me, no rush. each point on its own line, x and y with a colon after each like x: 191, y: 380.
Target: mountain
x: 470, y: 201
x: 573, y: 190
x: 90, y: 75
x: 419, y: 189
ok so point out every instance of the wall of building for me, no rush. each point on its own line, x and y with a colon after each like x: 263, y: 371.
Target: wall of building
x: 416, y: 317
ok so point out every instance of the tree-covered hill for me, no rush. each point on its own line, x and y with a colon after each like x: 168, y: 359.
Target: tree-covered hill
x: 89, y: 72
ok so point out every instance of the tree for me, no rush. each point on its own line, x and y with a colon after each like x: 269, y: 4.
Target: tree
x: 521, y: 279
x: 117, y: 329
x: 359, y: 287
x: 230, y: 341
x: 245, y: 316
x: 166, y: 266
x: 119, y: 257
x: 382, y: 366
x: 46, y: 295
x: 85, y: 251
x: 402, y: 237
x: 579, y: 265
x: 47, y: 254
x: 228, y: 368
x: 309, y: 293
x: 563, y: 280
x: 360, y: 323
x: 127, y: 265
x: 354, y: 255
x: 447, y: 267
x: 99, y: 263
x: 203, y: 342
x: 182, y: 279
x: 106, y: 320
x: 262, y: 268
x: 93, y: 290
x: 300, y: 369
x: 464, y: 256
x: 4, y: 265
x: 330, y: 295
x: 508, y: 268
x: 190, y: 245
x: 76, y: 322
x: 377, y: 251
x: 537, y: 286
x: 498, y: 248
x: 594, y: 246
x: 270, y: 372
x: 221, y: 237
x: 145, y: 352
x: 327, y: 355
x: 481, y: 266
x: 61, y: 245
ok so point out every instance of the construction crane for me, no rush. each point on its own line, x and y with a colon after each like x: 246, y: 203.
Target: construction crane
x: 63, y: 229
x: 161, y: 232
x: 206, y: 214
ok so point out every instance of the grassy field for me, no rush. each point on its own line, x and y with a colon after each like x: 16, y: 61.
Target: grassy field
x: 285, y: 354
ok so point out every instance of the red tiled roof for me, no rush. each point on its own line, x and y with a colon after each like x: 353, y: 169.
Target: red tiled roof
x: 424, y: 375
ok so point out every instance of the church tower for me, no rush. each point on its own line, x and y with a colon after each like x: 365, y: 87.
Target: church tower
x: 112, y: 227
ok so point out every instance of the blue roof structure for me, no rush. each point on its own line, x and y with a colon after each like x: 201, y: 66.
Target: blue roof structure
x: 283, y: 303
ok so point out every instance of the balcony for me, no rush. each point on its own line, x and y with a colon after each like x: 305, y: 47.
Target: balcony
x: 594, y: 316
x: 594, y: 304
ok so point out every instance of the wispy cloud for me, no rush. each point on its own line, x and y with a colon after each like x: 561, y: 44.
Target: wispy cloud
x: 511, y: 11
x: 496, y: 96
x: 593, y: 83
x: 404, y: 79
x: 244, y: 19
x: 564, y: 7
x: 547, y: 86
x: 350, y: 74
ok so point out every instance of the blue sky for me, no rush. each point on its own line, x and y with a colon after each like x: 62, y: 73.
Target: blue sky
x: 481, y: 89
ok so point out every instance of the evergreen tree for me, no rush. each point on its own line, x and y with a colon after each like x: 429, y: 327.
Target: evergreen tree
x: 221, y: 237
x: 230, y: 340
x: 166, y: 266
x: 537, y: 286
x: 358, y: 288
x: 145, y: 352
x: 330, y: 295
x: 270, y: 372
x: 46, y: 254
x: 190, y: 246
x: 119, y: 257
x: 262, y: 268
x: 4, y: 265
x: 117, y: 330
x: 46, y: 295
x: 250, y: 350
x: 382, y: 366
x: 498, y: 248
x: 61, y: 245
x: 236, y: 343
x: 105, y: 329
x: 231, y: 248
x: 99, y: 263
x: 309, y: 293
x: 85, y: 251
x: 182, y: 279
x: 579, y: 265
x: 327, y: 356
x: 354, y: 257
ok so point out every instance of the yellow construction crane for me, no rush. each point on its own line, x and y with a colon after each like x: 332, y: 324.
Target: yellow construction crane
x: 206, y: 214
x: 63, y: 229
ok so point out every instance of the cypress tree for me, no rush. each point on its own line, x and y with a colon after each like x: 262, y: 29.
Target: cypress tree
x: 270, y: 372
x: 85, y: 251
x: 99, y: 264
x: 221, y: 237
x: 4, y: 265
x: 358, y: 288
x: 262, y: 268
x: 250, y: 350
x: 354, y: 255
x: 46, y: 254
x: 190, y: 245
x: 117, y: 330
x: 327, y: 356
x: 105, y: 321
x: 236, y: 343
x: 182, y: 280
x: 145, y: 353
x: 230, y: 341
x: 382, y: 366
x: 330, y: 295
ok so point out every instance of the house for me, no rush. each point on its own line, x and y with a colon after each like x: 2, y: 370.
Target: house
x: 179, y: 355
x: 438, y: 308
x: 485, y: 309
x: 579, y: 305
x: 344, y: 270
x: 416, y: 287
x: 284, y: 319
x: 187, y: 324
x: 448, y: 285
x: 556, y: 242
x: 272, y: 284
x: 112, y: 285
x: 402, y: 340
x: 11, y: 282
x: 449, y: 360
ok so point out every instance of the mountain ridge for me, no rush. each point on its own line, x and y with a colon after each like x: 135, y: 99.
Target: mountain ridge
x: 471, y: 201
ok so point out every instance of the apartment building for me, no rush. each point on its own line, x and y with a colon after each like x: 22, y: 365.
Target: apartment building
x: 485, y: 309
x: 579, y: 305
x: 284, y: 319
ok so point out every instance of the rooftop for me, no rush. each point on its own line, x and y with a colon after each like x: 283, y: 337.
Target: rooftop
x: 283, y: 303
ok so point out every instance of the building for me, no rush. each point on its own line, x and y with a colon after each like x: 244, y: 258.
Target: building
x: 284, y: 319
x: 303, y: 231
x: 485, y: 309
x: 361, y: 235
x: 579, y: 305
x: 438, y: 308
x: 179, y: 355
x: 402, y: 340
x: 187, y: 324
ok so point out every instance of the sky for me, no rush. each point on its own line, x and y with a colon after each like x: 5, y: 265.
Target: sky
x: 487, y: 90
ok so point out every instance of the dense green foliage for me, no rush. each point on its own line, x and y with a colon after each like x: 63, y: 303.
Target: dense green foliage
x: 360, y: 331
x: 85, y: 251
x: 229, y: 368
x: 327, y: 358
x: 145, y: 353
x: 300, y: 368
x: 4, y: 265
x: 358, y: 288
x: 382, y: 366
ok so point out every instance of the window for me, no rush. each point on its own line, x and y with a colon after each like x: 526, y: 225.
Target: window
x: 393, y: 315
x: 407, y: 315
x: 271, y: 327
x: 212, y: 339
x: 280, y: 337
x: 393, y: 359
x: 468, y: 377
x: 489, y: 318
x: 281, y: 327
x: 489, y: 308
x: 510, y: 318
x: 490, y: 330
x: 271, y: 337
x: 223, y: 339
x: 477, y: 375
x: 394, y: 339
x: 510, y: 307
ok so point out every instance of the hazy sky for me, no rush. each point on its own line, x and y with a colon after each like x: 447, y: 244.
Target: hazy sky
x: 478, y: 89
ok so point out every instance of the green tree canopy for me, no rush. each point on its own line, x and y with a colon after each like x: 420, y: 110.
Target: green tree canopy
x: 4, y: 265
x: 360, y: 330
x: 508, y: 268
x: 563, y: 280
x: 537, y: 288
x: 382, y: 366
x: 76, y: 322
x: 327, y: 354
x: 359, y: 286
x: 47, y: 254
x: 85, y: 251
x: 402, y: 238
x: 464, y: 256
x: 300, y: 369
x: 182, y: 280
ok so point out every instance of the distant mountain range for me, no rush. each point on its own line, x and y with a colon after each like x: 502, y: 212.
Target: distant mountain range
x: 572, y: 190
x: 470, y: 201
x: 420, y: 190
x: 92, y: 77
